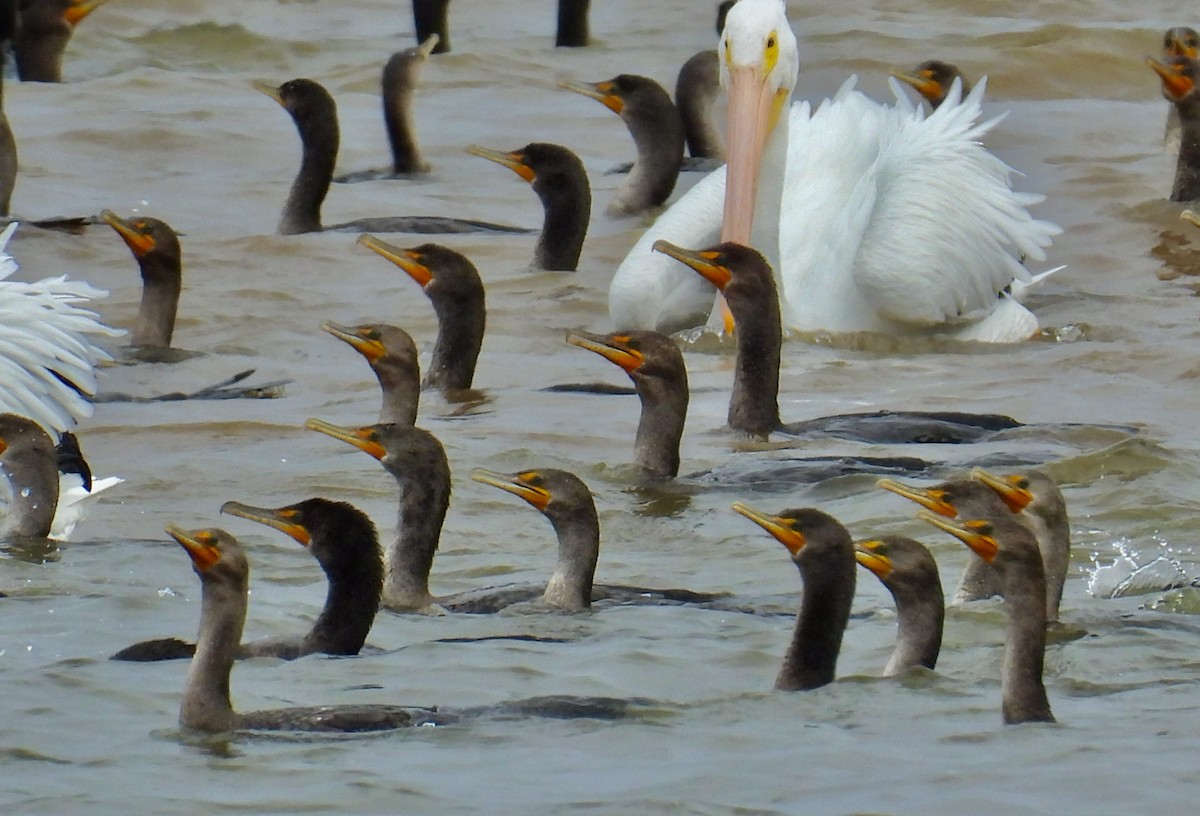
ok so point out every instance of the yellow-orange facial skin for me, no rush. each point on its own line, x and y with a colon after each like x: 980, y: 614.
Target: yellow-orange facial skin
x: 871, y: 555
x: 286, y: 521
x: 78, y: 9
x: 365, y: 439
x: 629, y: 359
x: 928, y: 498
x: 923, y: 82
x: 976, y: 534
x: 364, y: 340
x: 200, y: 545
x: 1175, y: 84
x: 705, y: 262
x: 780, y: 528
x: 1013, y: 488
x: 603, y: 92
x: 514, y: 161
x: 3, y: 445
x: 527, y: 484
x: 133, y: 232
x: 407, y: 259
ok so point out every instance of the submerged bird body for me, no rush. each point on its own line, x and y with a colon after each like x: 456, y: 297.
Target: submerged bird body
x: 823, y: 552
x: 655, y: 364
x: 910, y: 574
x: 156, y: 248
x: 315, y: 115
x: 392, y: 355
x: 561, y: 183
x: 876, y: 218
x: 654, y: 123
x: 1011, y: 549
x: 453, y: 286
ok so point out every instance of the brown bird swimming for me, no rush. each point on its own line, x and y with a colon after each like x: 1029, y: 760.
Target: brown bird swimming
x: 392, y: 355
x: 561, y: 183
x: 1011, y: 549
x: 401, y: 74
x: 225, y: 580
x: 452, y: 284
x: 343, y: 541
x: 743, y: 275
x: 657, y: 131
x: 1179, y: 75
x: 909, y: 572
x: 315, y: 115
x: 932, y: 79
x: 41, y: 39
x: 155, y: 247
x: 655, y: 364
x: 823, y: 552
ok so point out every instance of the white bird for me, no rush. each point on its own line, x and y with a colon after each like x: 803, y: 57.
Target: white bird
x: 48, y: 351
x: 875, y: 217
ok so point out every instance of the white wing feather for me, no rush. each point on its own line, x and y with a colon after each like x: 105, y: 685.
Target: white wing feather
x: 43, y: 330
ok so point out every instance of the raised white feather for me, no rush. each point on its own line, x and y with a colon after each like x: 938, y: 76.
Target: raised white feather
x: 875, y: 217
x: 44, y: 329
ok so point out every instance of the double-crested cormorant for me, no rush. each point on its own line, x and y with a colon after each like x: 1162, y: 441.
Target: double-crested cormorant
x: 654, y: 123
x: 392, y: 355
x: 48, y: 350
x: 933, y: 79
x: 655, y: 364
x: 744, y: 277
x: 696, y: 90
x: 567, y: 502
x: 225, y: 579
x: 417, y: 461
x: 28, y: 459
x: 429, y: 20
x: 452, y: 284
x: 155, y: 247
x: 45, y: 27
x: 1178, y: 41
x: 1038, y: 505
x: 1011, y: 549
x: 400, y: 76
x: 909, y: 572
x: 822, y: 550
x: 572, y: 29
x: 866, y: 259
x: 561, y: 183
x: 1179, y: 75
x: 315, y: 114
x: 343, y: 541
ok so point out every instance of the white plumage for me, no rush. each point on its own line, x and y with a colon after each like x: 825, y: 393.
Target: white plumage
x: 875, y: 217
x: 44, y: 329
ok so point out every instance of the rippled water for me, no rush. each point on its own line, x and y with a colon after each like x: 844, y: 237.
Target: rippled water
x: 157, y: 116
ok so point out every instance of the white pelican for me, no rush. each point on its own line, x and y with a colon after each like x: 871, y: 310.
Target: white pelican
x: 48, y: 351
x: 875, y: 217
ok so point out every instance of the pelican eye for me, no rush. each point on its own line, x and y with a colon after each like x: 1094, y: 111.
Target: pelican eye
x: 771, y: 53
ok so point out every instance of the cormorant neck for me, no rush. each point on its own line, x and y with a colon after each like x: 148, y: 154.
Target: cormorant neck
x: 570, y: 587
x: 401, y: 397
x: 33, y: 477
x: 824, y: 610
x: 695, y: 92
x: 920, y: 617
x: 1187, y: 168
x: 754, y: 403
x: 355, y: 585
x: 567, y: 204
x: 39, y: 55
x: 1021, y: 686
x: 320, y: 138
x: 660, y: 428
x: 429, y: 17
x: 658, y: 134
x: 572, y: 24
x: 161, y: 285
x: 206, y: 704
x: 1053, y: 533
x: 461, y: 324
x: 424, y: 499
x: 8, y: 153
x: 397, y: 115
